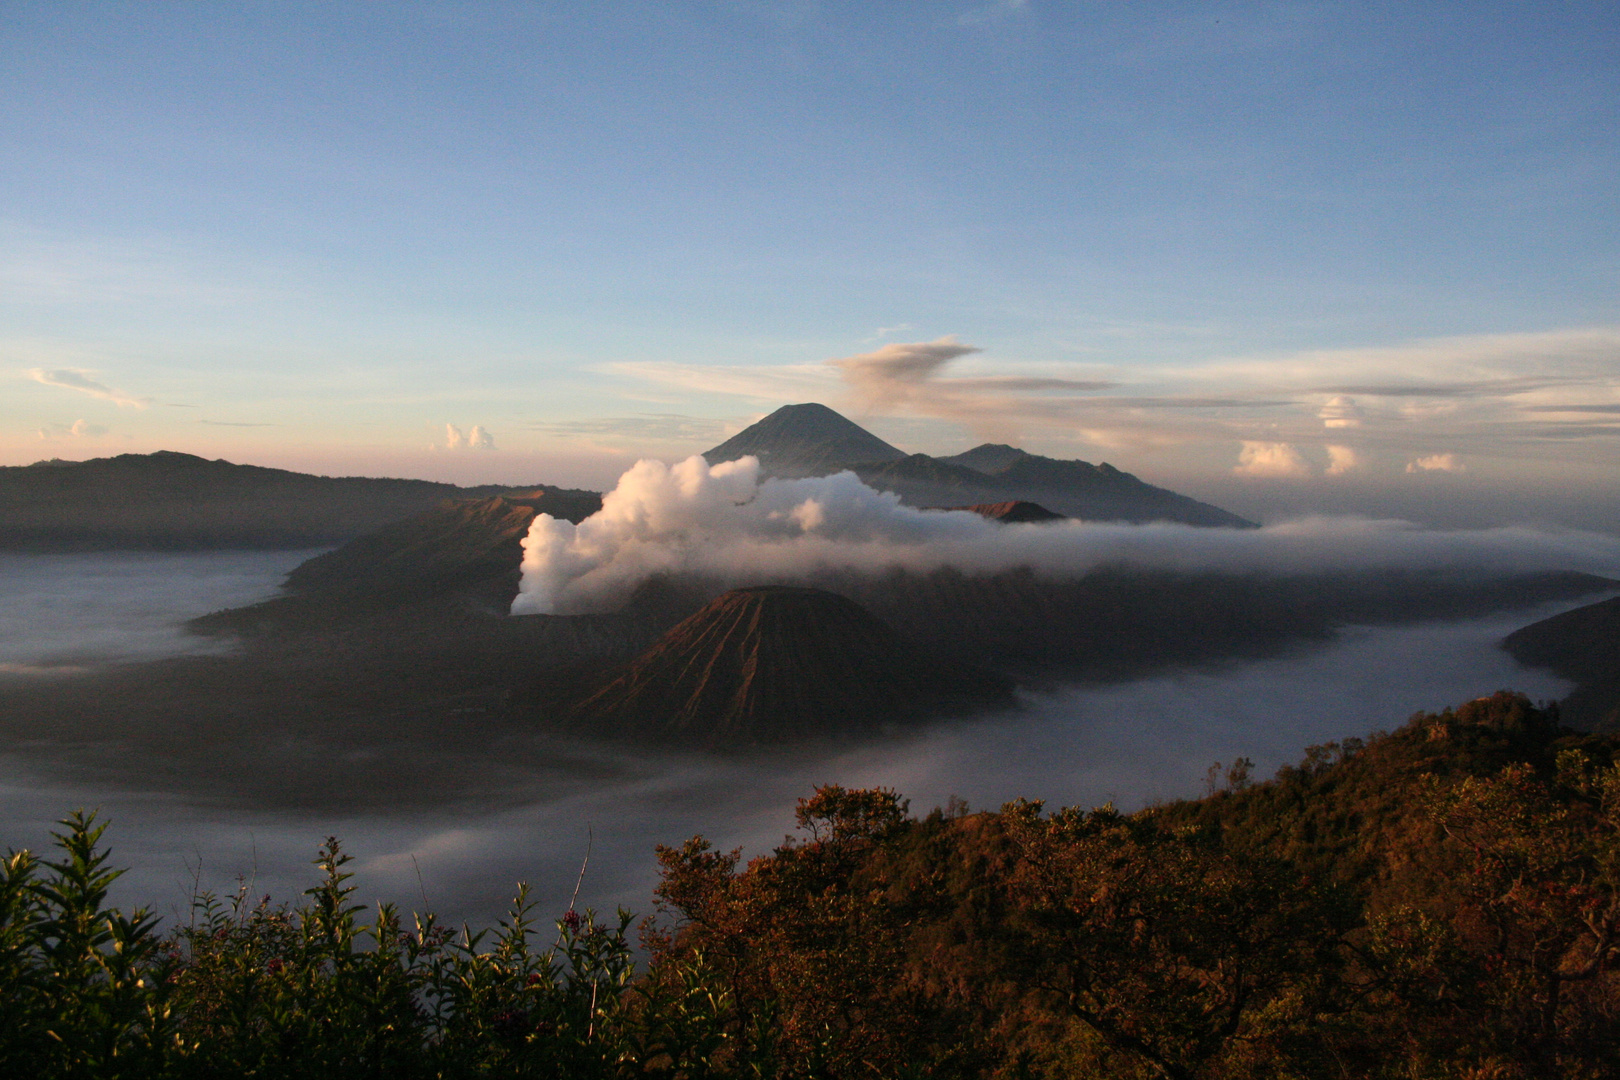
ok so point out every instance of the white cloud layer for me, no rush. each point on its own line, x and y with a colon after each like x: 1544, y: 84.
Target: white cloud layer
x: 723, y: 523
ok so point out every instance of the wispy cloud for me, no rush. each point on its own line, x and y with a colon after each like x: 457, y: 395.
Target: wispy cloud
x: 79, y: 429
x: 80, y: 380
x: 774, y: 385
x: 650, y: 427
x: 41, y: 268
x: 1391, y: 404
x: 895, y: 373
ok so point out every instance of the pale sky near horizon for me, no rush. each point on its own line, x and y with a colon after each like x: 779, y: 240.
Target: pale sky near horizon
x: 1287, y: 257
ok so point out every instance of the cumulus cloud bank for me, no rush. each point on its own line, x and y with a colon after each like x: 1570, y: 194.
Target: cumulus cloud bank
x: 476, y: 439
x: 724, y: 523
x: 1270, y: 459
x: 1342, y: 459
x: 1340, y: 412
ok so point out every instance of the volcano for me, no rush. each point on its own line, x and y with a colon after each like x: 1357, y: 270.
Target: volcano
x: 813, y: 440
x: 778, y: 664
x: 805, y: 440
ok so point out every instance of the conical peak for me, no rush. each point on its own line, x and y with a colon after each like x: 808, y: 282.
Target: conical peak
x: 805, y: 440
x: 770, y: 663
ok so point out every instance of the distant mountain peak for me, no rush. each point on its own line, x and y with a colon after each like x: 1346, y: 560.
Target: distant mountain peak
x: 989, y: 458
x: 805, y: 440
x: 813, y: 440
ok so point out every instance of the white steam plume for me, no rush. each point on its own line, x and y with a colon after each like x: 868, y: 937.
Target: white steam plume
x: 723, y: 523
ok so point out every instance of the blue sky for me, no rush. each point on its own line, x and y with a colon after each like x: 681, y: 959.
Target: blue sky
x: 1286, y: 256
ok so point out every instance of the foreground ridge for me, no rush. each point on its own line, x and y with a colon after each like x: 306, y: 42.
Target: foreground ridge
x: 1443, y: 900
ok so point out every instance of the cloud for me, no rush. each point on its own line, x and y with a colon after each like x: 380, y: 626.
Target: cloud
x: 1436, y: 463
x: 1474, y: 394
x: 1270, y: 459
x: 1594, y: 408
x: 893, y: 373
x: 722, y: 522
x: 1342, y: 459
x: 1340, y: 412
x: 79, y: 429
x: 80, y: 380
x: 476, y: 439
x: 908, y: 377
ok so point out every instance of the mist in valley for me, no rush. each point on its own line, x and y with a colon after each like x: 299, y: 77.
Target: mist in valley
x: 448, y: 812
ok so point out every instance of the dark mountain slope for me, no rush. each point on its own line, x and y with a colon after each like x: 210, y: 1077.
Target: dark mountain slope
x: 1103, y: 491
x: 813, y: 440
x: 171, y: 501
x: 804, y: 440
x: 773, y: 664
x: 1125, y: 622
x: 466, y: 550
x: 987, y: 458
x: 1583, y: 646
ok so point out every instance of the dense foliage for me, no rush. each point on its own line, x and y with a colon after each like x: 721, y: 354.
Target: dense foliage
x: 1443, y: 901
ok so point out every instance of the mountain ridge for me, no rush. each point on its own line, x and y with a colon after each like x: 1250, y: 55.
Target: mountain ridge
x: 813, y: 440
x: 173, y: 501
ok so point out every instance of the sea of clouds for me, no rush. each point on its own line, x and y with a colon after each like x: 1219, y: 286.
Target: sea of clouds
x: 726, y: 523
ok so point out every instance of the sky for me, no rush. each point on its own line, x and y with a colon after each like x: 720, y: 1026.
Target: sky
x: 1291, y: 258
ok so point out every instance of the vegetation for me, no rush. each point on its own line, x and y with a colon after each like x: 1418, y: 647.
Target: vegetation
x: 1443, y: 901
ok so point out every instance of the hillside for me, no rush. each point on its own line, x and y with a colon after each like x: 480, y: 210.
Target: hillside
x: 778, y: 664
x: 1439, y: 901
x: 1583, y: 646
x: 175, y: 502
x: 464, y: 553
x: 813, y: 440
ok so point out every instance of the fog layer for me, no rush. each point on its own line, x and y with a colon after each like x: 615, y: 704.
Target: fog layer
x: 725, y: 523
x: 63, y: 613
x: 1128, y: 743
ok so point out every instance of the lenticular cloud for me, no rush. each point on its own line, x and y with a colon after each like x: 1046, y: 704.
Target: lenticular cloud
x: 723, y: 522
